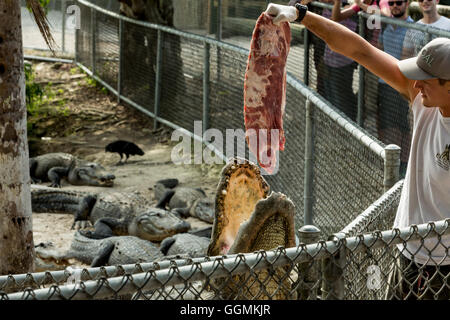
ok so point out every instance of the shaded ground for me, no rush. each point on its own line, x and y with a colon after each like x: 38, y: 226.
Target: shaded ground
x: 86, y: 119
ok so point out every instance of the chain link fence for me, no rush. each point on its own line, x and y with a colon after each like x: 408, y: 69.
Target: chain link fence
x: 367, y: 266
x: 331, y: 168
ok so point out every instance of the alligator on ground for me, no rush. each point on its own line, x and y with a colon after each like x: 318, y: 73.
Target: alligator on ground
x: 248, y: 219
x: 185, y: 244
x: 186, y: 201
x: 112, y: 214
x: 55, y: 166
x: 120, y: 250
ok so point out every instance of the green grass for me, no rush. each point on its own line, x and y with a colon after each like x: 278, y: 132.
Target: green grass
x: 42, y: 101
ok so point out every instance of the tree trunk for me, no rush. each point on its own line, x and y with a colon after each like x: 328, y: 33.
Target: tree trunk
x: 16, y: 235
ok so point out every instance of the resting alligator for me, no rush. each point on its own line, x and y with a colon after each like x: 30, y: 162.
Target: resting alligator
x: 248, y: 219
x: 186, y: 201
x: 55, y: 166
x: 121, y: 250
x: 112, y: 214
x: 185, y: 244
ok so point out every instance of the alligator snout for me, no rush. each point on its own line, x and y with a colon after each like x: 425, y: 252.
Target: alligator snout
x: 182, y: 226
x: 108, y: 180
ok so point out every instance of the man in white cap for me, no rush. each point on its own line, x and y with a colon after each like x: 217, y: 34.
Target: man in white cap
x: 425, y: 82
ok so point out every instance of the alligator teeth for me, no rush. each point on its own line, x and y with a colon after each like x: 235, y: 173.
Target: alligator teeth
x: 224, y: 192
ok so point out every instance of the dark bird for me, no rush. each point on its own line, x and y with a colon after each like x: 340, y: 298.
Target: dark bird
x: 124, y: 147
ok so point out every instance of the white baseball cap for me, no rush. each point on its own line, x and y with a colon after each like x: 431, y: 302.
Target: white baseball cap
x: 432, y: 62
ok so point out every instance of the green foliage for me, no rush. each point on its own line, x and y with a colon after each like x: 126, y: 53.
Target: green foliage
x: 74, y: 70
x: 44, y: 4
x: 41, y: 101
x: 33, y: 91
x: 94, y: 83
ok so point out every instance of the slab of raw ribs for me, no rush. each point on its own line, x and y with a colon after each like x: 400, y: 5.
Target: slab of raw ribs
x: 265, y: 90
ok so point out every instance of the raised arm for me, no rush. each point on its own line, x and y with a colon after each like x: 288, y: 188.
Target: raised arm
x: 346, y: 42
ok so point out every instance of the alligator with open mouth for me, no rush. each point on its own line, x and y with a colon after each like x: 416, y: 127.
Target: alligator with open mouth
x: 247, y: 219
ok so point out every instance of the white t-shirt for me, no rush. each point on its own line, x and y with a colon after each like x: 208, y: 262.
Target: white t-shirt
x: 416, y: 40
x: 426, y: 191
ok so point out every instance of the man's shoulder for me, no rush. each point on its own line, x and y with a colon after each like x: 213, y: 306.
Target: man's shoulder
x: 443, y: 23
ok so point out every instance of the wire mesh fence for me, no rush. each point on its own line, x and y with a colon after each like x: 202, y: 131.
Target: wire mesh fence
x: 197, y: 80
x: 357, y: 92
x: 375, y: 265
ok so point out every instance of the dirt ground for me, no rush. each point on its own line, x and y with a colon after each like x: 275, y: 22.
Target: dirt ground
x: 88, y: 119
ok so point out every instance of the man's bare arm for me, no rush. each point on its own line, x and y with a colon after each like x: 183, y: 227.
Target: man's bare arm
x: 350, y: 44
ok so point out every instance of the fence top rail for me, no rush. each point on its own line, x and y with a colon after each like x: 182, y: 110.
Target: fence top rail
x: 398, y: 22
x: 184, y: 34
x: 327, y: 108
x: 49, y: 277
x: 368, y: 213
x: 238, y: 264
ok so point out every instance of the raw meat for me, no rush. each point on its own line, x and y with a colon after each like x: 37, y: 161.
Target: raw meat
x: 265, y: 90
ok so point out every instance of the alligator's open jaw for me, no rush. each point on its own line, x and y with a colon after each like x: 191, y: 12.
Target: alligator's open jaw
x: 248, y: 220
x: 240, y: 188
x: 243, y: 213
x: 271, y: 225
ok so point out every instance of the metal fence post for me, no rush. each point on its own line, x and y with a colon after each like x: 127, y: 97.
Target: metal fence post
x: 391, y: 166
x: 219, y: 38
x: 77, y: 33
x: 119, y: 75
x: 333, y: 284
x: 219, y: 21
x: 308, y: 271
x: 309, y: 164
x: 93, y: 31
x: 306, y: 36
x: 206, y: 78
x: 362, y: 72
x: 428, y: 35
x: 158, y: 78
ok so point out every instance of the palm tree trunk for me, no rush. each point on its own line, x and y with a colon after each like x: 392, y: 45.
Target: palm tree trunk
x: 16, y: 236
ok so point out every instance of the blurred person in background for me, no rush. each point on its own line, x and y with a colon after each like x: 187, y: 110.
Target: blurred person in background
x: 415, y: 39
x: 365, y: 5
x: 371, y: 35
x: 336, y: 70
x: 393, y: 124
